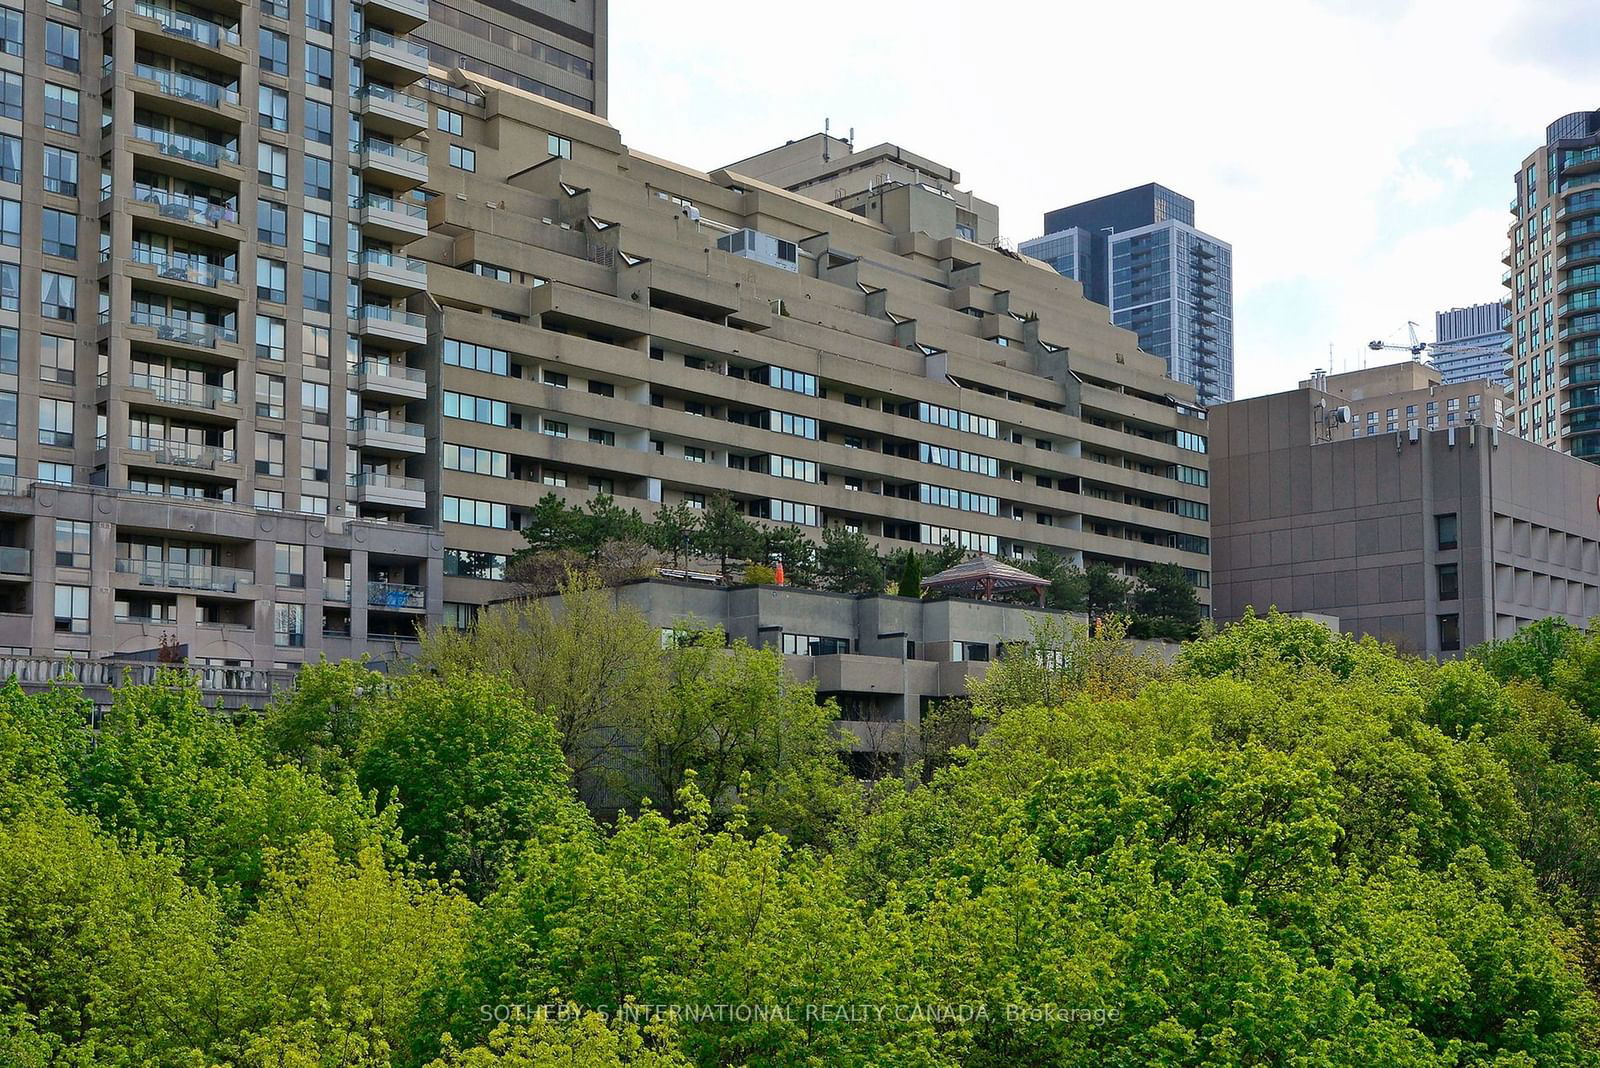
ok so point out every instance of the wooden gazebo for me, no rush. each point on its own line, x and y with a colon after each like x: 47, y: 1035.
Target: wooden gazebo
x: 984, y: 577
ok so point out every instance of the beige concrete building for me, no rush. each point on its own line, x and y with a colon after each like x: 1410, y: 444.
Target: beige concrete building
x: 1409, y: 395
x: 466, y: 296
x: 1434, y: 539
x: 885, y: 183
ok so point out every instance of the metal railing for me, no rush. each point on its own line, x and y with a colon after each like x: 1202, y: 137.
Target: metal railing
x: 336, y: 590
x: 186, y: 208
x: 183, y: 453
x: 183, y: 331
x: 396, y: 595
x: 371, y: 369
x: 183, y: 268
x: 398, y: 260
x: 188, y: 26
x: 381, y: 313
x: 15, y: 560
x: 404, y: 100
x: 187, y: 86
x: 371, y: 147
x: 185, y: 576
x: 379, y: 480
x: 385, y: 39
x: 181, y: 391
x: 384, y: 425
x: 379, y: 202
x: 186, y: 147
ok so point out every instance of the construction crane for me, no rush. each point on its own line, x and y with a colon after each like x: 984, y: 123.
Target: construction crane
x: 1416, y: 348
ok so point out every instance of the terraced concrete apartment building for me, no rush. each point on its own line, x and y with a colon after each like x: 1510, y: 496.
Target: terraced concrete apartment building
x: 466, y: 296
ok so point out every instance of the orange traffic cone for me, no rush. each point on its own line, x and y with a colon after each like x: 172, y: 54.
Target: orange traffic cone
x: 777, y: 574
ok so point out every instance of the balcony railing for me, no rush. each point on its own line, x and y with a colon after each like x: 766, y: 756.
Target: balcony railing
x: 378, y: 480
x: 181, y: 391
x: 183, y: 453
x: 398, y: 260
x: 15, y: 560
x: 379, y: 202
x: 384, y: 39
x: 184, y: 331
x: 187, y: 148
x: 188, y: 26
x: 187, y: 86
x: 182, y: 268
x: 186, y: 208
x: 391, y: 370
x: 396, y: 595
x: 186, y: 576
x: 373, y: 147
x: 384, y: 425
x: 383, y: 313
x: 336, y: 590
x: 399, y: 99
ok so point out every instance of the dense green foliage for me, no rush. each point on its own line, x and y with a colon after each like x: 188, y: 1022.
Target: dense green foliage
x: 1284, y: 847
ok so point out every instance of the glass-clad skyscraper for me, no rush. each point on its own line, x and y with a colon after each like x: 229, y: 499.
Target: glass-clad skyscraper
x: 1138, y: 252
x: 1470, y: 344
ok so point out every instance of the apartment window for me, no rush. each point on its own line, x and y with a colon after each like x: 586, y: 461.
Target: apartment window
x: 317, y: 290
x: 311, y: 504
x: 11, y: 162
x: 60, y: 108
x: 10, y: 95
x: 274, y: 52
x: 463, y: 158
x: 289, y: 625
x: 694, y: 454
x: 313, y: 460
x: 272, y: 499
x: 319, y: 15
x: 554, y: 478
x: 813, y: 645
x: 556, y: 379
x: 448, y: 121
x: 318, y: 178
x: 269, y: 455
x: 1446, y: 527
x: 319, y: 122
x: 10, y: 347
x: 1449, y: 581
x: 60, y: 234
x: 269, y: 338
x: 469, y: 564
x: 289, y: 566
x: 476, y: 409
x: 58, y: 474
x: 319, y: 66
x: 601, y: 437
x: 1450, y: 632
x: 55, y: 422
x: 476, y: 513
x: 72, y: 543
x: 475, y: 461
x: 10, y: 222
x: 11, y: 31
x: 272, y: 166
x: 316, y: 346
x: 602, y: 389
x: 61, y: 46
x: 476, y: 357
x: 270, y: 393
x: 272, y: 108
x: 8, y: 414
x: 72, y: 609
x: 316, y: 234
x: 598, y: 484
x: 559, y: 146
x: 272, y: 223
x: 314, y: 403
x: 58, y: 296
x: 553, y: 428
x: 272, y: 280
x: 695, y: 500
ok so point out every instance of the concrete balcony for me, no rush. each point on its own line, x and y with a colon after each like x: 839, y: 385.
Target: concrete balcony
x: 390, y: 328
x: 200, y: 578
x: 185, y: 96
x: 394, y: 59
x: 380, y: 434
x: 391, y: 380
x: 160, y: 452
x: 183, y: 276
x: 184, y: 156
x: 392, y: 272
x: 390, y: 166
x: 181, y: 337
x: 185, y: 34
x: 400, y: 16
x: 396, y: 597
x: 388, y: 219
x: 388, y: 491
x: 182, y: 215
x: 391, y: 112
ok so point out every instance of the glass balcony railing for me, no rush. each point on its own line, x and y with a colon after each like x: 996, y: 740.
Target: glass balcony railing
x: 392, y: 96
x: 184, y: 331
x: 186, y: 208
x: 384, y: 39
x: 189, y: 26
x: 382, y: 424
x: 379, y: 202
x: 397, y: 260
x: 181, y: 268
x: 387, y: 150
x: 181, y: 391
x: 391, y: 370
x: 183, y: 453
x: 15, y: 560
x: 379, y: 480
x: 380, y: 313
x: 336, y: 590
x: 396, y: 595
x: 186, y: 576
x: 187, y: 86
x: 187, y: 148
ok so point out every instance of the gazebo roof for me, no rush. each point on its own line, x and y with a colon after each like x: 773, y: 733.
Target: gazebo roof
x: 985, y: 576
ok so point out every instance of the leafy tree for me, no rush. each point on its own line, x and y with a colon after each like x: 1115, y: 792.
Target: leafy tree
x: 1068, y: 586
x: 1531, y: 653
x: 475, y: 770
x: 551, y: 526
x: 572, y: 1038
x: 797, y: 552
x: 1104, y: 591
x: 847, y: 562
x: 1165, y: 604
x: 43, y: 745
x: 674, y: 531
x: 323, y: 723
x: 590, y: 665
x: 725, y: 534
x: 910, y: 584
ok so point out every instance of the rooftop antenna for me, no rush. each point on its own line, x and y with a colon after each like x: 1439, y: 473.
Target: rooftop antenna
x: 827, y: 128
x: 852, y: 138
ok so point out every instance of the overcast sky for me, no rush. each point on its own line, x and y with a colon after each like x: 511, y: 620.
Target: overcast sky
x: 1357, y: 155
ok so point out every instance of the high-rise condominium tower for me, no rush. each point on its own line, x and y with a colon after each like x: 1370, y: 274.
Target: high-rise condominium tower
x: 1469, y: 344
x: 1138, y: 253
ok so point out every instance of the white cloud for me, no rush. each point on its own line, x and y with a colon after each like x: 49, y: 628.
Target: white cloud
x: 1358, y: 158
